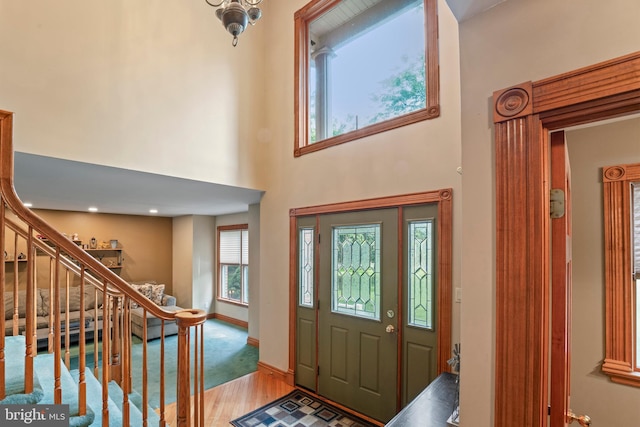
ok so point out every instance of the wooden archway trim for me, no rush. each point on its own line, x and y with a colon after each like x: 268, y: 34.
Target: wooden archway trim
x: 523, y: 116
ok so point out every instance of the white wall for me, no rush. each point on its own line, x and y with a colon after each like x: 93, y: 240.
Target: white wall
x: 607, y: 403
x: 516, y: 41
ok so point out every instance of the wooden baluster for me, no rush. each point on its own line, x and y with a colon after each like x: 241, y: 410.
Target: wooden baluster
x: 67, y: 321
x: 126, y: 361
x: 201, y: 328
x: 145, y: 394
x: 116, y: 373
x: 30, y: 323
x: 3, y: 391
x: 82, y: 384
x: 185, y: 319
x: 196, y: 401
x: 52, y: 314
x: 96, y: 326
x: 32, y: 267
x: 163, y: 421
x: 106, y: 344
x: 16, y: 284
x: 184, y: 385
x: 57, y: 392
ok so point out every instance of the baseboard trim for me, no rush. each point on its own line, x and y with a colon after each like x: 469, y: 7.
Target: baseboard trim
x: 253, y: 342
x: 287, y: 377
x: 231, y: 320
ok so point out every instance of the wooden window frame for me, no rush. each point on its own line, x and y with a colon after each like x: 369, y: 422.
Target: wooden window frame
x: 219, y: 265
x: 619, y: 363
x: 303, y: 18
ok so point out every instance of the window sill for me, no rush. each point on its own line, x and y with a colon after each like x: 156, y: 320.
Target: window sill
x: 234, y: 302
x: 621, y: 372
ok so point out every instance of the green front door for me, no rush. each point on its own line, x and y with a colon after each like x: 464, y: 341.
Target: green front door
x: 366, y: 309
x: 358, y: 303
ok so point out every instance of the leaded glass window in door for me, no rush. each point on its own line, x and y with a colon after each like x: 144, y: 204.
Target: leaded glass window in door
x: 306, y: 267
x: 356, y: 270
x: 420, y: 273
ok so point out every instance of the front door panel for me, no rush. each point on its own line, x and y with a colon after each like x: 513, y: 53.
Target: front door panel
x: 419, y: 296
x: 357, y: 339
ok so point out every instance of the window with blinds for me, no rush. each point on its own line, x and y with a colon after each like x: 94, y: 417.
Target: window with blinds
x: 233, y: 264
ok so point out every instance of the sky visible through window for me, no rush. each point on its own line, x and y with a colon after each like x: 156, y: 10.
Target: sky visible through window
x: 360, y: 67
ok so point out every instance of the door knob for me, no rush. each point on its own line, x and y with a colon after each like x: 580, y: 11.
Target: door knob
x: 583, y: 420
x: 390, y: 329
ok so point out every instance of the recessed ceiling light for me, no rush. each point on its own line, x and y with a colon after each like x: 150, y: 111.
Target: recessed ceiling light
x: 28, y: 204
x: 154, y: 211
x: 93, y: 209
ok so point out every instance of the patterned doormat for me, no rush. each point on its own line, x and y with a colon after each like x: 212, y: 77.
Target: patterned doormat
x: 298, y: 409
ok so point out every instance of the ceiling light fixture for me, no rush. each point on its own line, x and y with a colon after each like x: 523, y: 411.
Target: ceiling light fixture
x: 27, y: 204
x: 153, y: 211
x: 237, y: 14
x: 93, y: 209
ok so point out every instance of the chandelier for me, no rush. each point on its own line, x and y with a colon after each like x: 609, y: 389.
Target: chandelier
x: 237, y: 14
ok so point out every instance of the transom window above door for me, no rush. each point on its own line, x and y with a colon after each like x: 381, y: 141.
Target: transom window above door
x: 363, y: 67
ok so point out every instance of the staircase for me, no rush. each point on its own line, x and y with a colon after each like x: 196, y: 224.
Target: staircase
x: 99, y: 394
x: 45, y: 384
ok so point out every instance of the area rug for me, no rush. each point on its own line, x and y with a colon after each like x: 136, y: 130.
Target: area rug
x: 299, y: 409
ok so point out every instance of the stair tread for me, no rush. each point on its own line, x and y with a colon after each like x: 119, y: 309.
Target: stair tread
x: 15, y: 348
x: 135, y: 402
x: 94, y: 399
x: 44, y: 367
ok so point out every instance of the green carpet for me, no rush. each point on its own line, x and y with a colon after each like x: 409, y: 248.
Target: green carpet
x: 226, y: 357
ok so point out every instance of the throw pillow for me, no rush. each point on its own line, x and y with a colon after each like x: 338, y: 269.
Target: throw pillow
x: 144, y: 289
x: 157, y: 293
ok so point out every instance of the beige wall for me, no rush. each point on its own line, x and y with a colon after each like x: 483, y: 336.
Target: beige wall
x: 516, y: 41
x: 607, y: 403
x: 414, y: 158
x: 143, y: 85
x: 160, y: 89
x: 146, y: 242
x: 203, y: 262
x: 182, y: 260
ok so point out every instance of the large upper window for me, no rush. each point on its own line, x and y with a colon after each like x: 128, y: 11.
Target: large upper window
x: 363, y: 67
x: 233, y: 264
x: 622, y: 273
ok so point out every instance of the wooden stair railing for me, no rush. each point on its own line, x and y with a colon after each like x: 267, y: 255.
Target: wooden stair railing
x: 45, y: 262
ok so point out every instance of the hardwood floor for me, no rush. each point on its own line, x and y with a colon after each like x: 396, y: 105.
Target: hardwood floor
x: 235, y: 398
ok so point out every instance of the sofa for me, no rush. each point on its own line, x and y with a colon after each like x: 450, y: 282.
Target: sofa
x: 149, y: 289
x: 42, y: 302
x: 154, y: 292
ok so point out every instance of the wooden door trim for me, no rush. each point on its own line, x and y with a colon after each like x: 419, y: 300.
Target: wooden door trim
x: 523, y: 116
x: 560, y: 356
x: 444, y: 199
